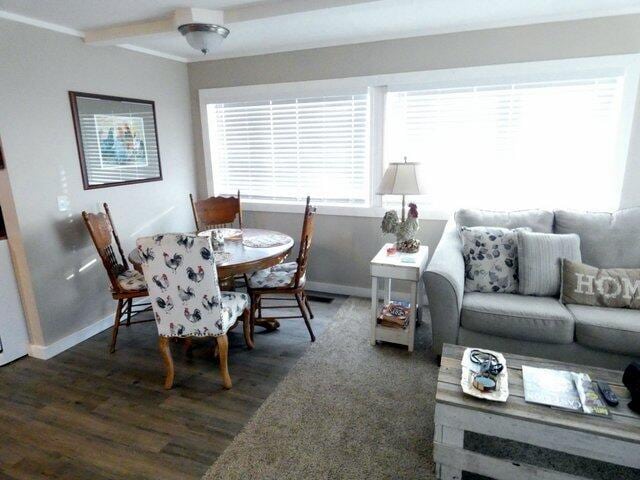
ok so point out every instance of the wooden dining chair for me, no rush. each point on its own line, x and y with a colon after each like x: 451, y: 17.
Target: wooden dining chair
x: 186, y: 298
x: 216, y: 212
x: 219, y: 212
x: 285, y: 279
x: 126, y: 284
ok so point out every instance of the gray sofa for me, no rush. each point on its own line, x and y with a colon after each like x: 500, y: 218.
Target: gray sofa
x: 538, y: 326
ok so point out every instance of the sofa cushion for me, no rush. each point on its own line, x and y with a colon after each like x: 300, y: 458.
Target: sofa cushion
x: 490, y: 259
x: 536, y: 220
x: 607, y: 240
x: 132, y: 280
x: 614, y: 330
x: 278, y: 276
x: 539, y: 258
x: 234, y: 303
x: 537, y: 319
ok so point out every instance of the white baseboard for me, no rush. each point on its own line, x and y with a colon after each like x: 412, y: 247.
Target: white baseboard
x: 353, y: 291
x: 45, y: 352
x: 338, y: 289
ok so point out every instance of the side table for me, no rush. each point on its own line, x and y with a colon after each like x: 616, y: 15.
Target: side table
x: 407, y: 267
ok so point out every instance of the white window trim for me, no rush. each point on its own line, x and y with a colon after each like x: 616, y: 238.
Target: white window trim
x: 377, y: 85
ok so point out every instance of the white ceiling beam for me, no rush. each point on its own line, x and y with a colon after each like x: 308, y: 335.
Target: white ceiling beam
x: 54, y: 27
x: 182, y: 16
x: 124, y: 34
x: 277, y: 9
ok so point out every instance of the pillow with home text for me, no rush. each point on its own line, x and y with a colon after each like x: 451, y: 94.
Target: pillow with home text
x: 600, y: 287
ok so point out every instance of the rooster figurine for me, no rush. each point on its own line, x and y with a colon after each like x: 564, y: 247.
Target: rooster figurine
x: 404, y: 230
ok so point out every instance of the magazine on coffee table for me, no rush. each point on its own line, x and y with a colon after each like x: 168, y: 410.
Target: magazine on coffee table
x: 562, y: 389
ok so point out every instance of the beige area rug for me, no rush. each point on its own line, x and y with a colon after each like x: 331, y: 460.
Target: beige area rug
x: 346, y: 410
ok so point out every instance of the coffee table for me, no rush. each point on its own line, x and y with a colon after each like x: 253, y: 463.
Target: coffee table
x: 613, y: 440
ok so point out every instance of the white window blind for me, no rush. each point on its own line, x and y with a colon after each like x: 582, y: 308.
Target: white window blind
x: 547, y: 145
x: 284, y: 150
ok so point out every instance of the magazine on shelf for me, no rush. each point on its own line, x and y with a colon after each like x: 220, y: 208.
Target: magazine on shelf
x: 394, y: 314
x: 562, y: 389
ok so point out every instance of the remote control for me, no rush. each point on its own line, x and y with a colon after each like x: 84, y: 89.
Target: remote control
x: 609, y: 396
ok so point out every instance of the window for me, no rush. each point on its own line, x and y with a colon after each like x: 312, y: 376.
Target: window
x: 284, y: 150
x: 543, y: 145
x: 547, y: 135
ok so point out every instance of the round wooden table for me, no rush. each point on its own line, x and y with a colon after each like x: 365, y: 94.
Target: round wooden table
x: 243, y: 260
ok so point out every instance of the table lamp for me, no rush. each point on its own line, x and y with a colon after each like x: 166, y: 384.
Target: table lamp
x: 402, y: 178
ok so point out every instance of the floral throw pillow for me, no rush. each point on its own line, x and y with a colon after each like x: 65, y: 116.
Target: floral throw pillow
x: 490, y: 259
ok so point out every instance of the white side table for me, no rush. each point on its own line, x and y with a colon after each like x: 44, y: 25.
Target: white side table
x: 408, y: 267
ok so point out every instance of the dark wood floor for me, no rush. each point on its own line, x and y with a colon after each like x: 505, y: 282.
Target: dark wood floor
x: 86, y: 414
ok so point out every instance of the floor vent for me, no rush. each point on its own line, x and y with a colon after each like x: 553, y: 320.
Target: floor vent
x: 320, y: 298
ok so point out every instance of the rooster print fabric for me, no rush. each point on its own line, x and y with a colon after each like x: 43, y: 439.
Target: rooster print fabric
x: 183, y: 287
x: 277, y: 276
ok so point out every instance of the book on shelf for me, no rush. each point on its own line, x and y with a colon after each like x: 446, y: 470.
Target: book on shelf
x: 394, y: 314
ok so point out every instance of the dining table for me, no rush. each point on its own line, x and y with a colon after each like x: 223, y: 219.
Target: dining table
x: 244, y: 251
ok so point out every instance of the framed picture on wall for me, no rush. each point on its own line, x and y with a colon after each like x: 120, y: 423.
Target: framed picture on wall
x: 1, y: 157
x: 117, y: 140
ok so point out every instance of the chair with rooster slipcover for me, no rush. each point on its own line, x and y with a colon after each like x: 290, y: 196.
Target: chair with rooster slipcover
x: 183, y: 285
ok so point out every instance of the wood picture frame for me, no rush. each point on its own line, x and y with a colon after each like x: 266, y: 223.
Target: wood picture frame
x: 3, y: 227
x: 117, y: 140
x: 1, y: 156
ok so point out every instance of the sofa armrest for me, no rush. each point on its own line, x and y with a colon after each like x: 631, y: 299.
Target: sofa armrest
x: 444, y: 280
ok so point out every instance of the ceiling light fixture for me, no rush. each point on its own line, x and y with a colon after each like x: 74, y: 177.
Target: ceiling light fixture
x: 203, y: 36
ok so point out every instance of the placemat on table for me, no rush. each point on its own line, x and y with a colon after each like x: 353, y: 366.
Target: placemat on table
x: 266, y: 240
x: 227, y: 233
x: 221, y: 257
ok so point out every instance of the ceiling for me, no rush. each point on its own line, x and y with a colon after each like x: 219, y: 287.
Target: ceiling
x: 281, y: 25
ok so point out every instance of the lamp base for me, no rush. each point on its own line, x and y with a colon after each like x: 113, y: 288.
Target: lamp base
x: 408, y: 246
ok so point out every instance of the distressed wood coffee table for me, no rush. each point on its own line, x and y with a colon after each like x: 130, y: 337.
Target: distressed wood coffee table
x: 613, y: 440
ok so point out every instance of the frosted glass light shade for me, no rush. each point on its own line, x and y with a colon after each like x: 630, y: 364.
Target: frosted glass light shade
x: 203, y: 36
x: 401, y: 179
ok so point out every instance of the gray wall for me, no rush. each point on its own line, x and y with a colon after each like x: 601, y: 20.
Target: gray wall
x: 345, y: 245
x: 38, y: 68
x: 342, y: 246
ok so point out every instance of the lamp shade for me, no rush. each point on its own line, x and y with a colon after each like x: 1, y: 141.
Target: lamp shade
x: 401, y: 179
